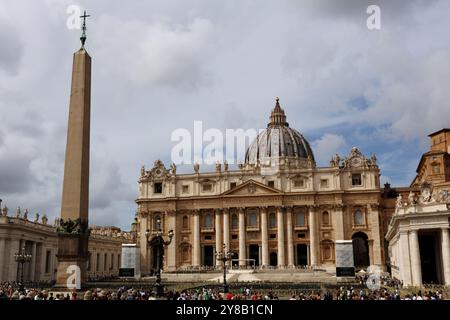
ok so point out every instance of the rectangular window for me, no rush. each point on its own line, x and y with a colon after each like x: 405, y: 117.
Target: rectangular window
x: 356, y: 179
x: 301, y: 235
x: 208, y: 221
x: 271, y: 184
x: 273, y: 236
x: 253, y: 220
x: 300, y: 219
x: 234, y: 237
x: 208, y: 237
x: 358, y: 218
x: 232, y: 185
x: 207, y: 187
x: 299, y: 183
x: 185, y: 189
x: 48, y: 260
x: 157, y: 187
x: 324, y: 183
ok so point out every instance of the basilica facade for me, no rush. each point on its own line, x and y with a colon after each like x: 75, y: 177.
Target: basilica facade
x: 277, y: 210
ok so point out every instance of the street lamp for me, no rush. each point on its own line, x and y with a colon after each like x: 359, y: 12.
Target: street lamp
x: 159, y: 243
x: 21, y: 257
x: 224, y: 257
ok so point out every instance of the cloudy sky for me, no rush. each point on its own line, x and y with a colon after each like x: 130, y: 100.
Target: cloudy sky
x: 159, y: 65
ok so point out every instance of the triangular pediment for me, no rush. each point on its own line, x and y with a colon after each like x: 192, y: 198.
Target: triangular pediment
x: 250, y: 188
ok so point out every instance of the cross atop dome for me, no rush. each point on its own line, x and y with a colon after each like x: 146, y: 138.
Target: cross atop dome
x: 277, y: 117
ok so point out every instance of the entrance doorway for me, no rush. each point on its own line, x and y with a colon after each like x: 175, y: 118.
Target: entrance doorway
x: 302, y: 255
x: 254, y: 253
x: 235, y: 258
x: 428, y: 246
x: 154, y: 259
x: 273, y: 259
x: 208, y: 256
x: 360, y: 250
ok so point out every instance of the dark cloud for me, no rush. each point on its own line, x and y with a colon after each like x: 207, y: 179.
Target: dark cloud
x: 15, y: 173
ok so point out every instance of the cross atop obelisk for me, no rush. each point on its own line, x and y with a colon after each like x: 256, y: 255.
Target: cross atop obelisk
x: 83, y: 28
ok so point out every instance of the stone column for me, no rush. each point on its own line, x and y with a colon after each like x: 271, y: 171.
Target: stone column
x: 374, y: 219
x: 242, y: 231
x: 2, y: 259
x: 404, y: 259
x: 264, y: 238
x: 33, y: 261
x: 14, y: 248
x: 226, y: 230
x: 312, y: 236
x: 145, y: 263
x: 173, y: 246
x: 416, y: 269
x: 290, y: 240
x: 40, y: 262
x: 196, y: 247
x: 445, y: 245
x: 280, y: 228
x: 219, y: 242
x: 339, y: 219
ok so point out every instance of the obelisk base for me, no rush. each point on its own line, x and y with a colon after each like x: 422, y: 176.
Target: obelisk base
x: 72, y: 261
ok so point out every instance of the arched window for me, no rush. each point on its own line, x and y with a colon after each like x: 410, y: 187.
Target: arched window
x: 208, y: 221
x: 300, y: 219
x: 185, y: 222
x: 234, y: 222
x: 253, y: 220
x: 358, y: 218
x: 325, y: 218
x: 272, y: 220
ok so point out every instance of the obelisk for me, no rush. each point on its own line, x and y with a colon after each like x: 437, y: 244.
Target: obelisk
x: 73, y: 233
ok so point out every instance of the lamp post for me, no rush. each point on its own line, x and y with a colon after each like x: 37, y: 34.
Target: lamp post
x: 224, y: 257
x: 159, y: 243
x: 21, y: 257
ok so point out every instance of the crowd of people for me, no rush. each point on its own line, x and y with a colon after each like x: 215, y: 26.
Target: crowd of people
x: 382, y: 280
x: 9, y: 291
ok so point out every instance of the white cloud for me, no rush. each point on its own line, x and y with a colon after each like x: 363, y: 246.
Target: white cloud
x: 327, y: 146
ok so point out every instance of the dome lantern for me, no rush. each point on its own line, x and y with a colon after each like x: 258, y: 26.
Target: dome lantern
x: 277, y: 117
x: 278, y: 141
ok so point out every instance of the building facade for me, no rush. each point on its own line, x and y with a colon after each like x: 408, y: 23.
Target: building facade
x: 39, y: 239
x: 278, y: 210
x: 418, y: 233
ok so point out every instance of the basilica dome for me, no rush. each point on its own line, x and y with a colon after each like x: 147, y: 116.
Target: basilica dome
x: 277, y: 141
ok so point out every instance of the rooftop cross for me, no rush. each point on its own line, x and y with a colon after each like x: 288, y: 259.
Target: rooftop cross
x: 83, y: 28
